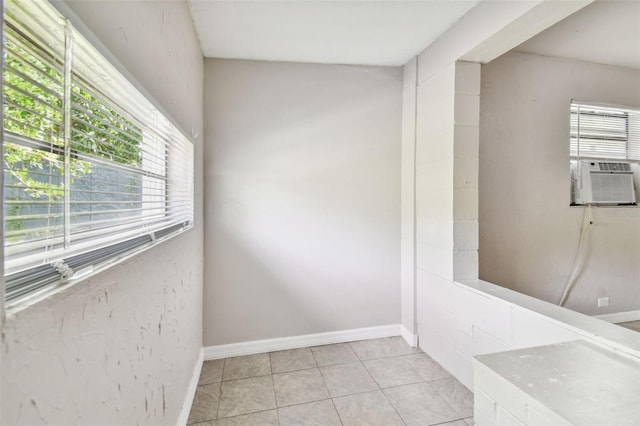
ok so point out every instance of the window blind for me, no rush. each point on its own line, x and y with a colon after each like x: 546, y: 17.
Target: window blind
x: 604, y: 132
x: 92, y: 170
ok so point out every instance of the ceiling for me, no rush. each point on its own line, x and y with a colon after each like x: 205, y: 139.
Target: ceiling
x: 355, y: 32
x: 391, y: 32
x: 605, y: 32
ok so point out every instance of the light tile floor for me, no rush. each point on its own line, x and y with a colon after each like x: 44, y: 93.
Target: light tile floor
x: 631, y: 325
x: 372, y: 382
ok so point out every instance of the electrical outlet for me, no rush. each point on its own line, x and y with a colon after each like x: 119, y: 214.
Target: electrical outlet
x: 603, y: 301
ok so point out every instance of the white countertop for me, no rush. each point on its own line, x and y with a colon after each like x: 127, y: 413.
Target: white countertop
x: 579, y: 381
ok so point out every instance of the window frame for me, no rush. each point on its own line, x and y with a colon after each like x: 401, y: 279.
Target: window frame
x: 631, y: 139
x: 121, y: 250
x: 2, y: 292
x: 616, y: 111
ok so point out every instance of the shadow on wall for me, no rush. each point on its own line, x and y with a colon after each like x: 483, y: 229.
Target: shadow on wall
x: 304, y: 194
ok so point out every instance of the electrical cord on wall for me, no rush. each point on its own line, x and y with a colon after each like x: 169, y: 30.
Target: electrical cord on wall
x: 577, y: 261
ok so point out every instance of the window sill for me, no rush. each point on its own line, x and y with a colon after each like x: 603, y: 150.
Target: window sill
x: 58, y: 288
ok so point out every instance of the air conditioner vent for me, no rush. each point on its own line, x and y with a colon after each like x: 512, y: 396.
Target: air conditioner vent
x: 603, y: 183
x: 611, y: 188
x: 614, y: 167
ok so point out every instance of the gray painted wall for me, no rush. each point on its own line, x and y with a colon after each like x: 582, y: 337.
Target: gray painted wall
x: 120, y: 348
x: 528, y: 232
x: 302, y: 172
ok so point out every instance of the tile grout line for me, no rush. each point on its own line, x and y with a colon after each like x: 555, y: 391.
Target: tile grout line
x: 224, y: 364
x: 337, y: 412
x: 327, y: 387
x: 447, y: 402
x: 243, y: 414
x: 273, y: 387
x: 455, y: 420
x: 274, y: 396
x: 358, y: 360
x: 394, y: 408
x: 380, y: 389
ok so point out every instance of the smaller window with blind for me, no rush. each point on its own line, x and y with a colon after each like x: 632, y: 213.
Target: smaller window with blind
x: 604, y: 148
x: 604, y: 132
x: 93, y: 172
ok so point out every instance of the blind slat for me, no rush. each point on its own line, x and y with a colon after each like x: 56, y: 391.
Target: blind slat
x: 129, y: 171
x: 604, y: 132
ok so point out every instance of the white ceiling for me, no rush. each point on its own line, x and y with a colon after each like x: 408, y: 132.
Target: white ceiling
x: 605, y: 32
x: 366, y: 32
x: 355, y: 32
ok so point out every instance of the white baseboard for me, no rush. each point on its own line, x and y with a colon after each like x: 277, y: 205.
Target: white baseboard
x: 191, y: 391
x: 294, y: 342
x: 410, y: 338
x: 620, y: 316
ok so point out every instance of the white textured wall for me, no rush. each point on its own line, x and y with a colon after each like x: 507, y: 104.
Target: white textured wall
x: 302, y: 171
x: 528, y: 232
x: 120, y: 348
x: 446, y: 211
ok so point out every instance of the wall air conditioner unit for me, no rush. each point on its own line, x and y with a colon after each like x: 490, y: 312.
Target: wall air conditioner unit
x: 600, y: 182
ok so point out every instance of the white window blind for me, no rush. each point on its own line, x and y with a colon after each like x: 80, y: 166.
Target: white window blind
x: 604, y: 132
x: 92, y: 170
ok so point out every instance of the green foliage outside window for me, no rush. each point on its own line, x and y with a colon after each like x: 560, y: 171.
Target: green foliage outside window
x: 34, y: 111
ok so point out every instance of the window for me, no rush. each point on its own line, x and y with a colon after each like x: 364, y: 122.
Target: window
x: 92, y: 170
x: 604, y: 148
x: 604, y: 132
